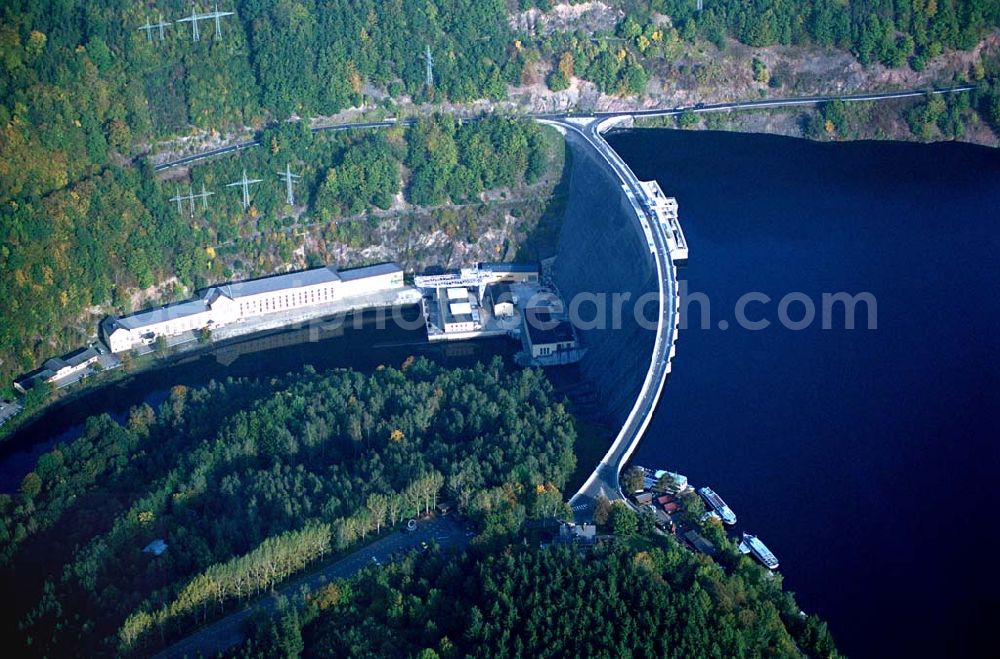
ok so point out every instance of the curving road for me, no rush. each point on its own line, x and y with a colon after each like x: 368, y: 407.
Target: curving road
x: 227, y: 632
x: 604, y: 479
x: 788, y: 102
x: 559, y: 117
x: 186, y: 160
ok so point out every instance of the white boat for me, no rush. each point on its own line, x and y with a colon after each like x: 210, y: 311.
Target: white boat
x: 751, y: 544
x: 718, y: 505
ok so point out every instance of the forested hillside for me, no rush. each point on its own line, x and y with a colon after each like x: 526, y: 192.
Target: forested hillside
x: 78, y: 253
x: 659, y: 601
x: 889, y: 31
x: 284, y: 471
x: 86, y: 94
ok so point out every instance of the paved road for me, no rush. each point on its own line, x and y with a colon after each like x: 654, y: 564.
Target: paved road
x: 661, y: 112
x: 604, y: 479
x: 786, y: 102
x: 227, y: 632
x: 253, y: 143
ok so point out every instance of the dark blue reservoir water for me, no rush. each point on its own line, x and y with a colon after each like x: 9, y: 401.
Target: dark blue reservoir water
x: 867, y: 460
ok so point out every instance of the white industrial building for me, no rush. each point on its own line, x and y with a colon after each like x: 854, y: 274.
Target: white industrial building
x: 230, y: 303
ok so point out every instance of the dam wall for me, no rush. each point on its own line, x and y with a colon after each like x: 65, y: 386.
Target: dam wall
x: 602, y: 251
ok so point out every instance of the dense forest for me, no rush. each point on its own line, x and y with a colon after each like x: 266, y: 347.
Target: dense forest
x: 85, y: 93
x: 638, y: 598
x: 246, y: 473
x: 893, y: 32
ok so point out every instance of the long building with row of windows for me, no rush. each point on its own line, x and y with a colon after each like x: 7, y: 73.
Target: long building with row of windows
x: 231, y: 303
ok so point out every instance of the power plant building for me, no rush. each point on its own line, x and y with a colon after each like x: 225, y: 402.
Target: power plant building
x: 230, y: 303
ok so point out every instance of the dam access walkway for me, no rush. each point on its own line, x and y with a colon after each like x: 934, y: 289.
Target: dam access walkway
x: 604, y: 480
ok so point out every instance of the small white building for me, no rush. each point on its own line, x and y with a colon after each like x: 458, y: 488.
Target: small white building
x: 58, y: 368
x: 459, y: 316
x: 501, y: 300
x: 456, y: 293
x: 548, y: 336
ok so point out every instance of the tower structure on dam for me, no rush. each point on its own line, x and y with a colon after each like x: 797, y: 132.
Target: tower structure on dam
x: 663, y: 209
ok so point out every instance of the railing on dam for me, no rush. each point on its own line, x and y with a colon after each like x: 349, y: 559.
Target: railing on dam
x: 604, y: 478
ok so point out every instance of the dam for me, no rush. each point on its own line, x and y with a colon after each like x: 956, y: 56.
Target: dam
x: 620, y: 237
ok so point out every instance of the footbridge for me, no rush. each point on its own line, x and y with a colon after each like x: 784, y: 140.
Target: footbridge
x: 666, y: 245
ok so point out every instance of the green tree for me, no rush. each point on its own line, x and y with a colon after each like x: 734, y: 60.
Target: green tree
x: 31, y: 485
x: 602, y: 510
x: 687, y: 119
x: 623, y: 519
x: 633, y: 480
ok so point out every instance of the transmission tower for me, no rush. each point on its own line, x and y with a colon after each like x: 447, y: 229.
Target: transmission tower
x: 429, y: 66
x: 217, y: 15
x: 287, y: 177
x: 204, y: 198
x: 179, y: 198
x: 195, y: 17
x: 149, y: 27
x: 245, y: 183
x: 190, y: 197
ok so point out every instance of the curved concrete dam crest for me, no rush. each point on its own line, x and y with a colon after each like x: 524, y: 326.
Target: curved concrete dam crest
x: 602, y: 252
x: 617, y: 246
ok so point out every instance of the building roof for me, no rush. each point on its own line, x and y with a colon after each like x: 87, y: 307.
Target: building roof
x: 499, y: 292
x: 51, y: 366
x: 458, y: 293
x: 543, y: 329
x: 236, y: 290
x: 285, y: 282
x: 159, y: 315
x: 370, y: 271
x: 30, y: 379
x: 699, y: 542
x: 510, y: 267
x: 460, y: 308
x: 583, y: 531
x: 81, y: 356
x: 54, y: 364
